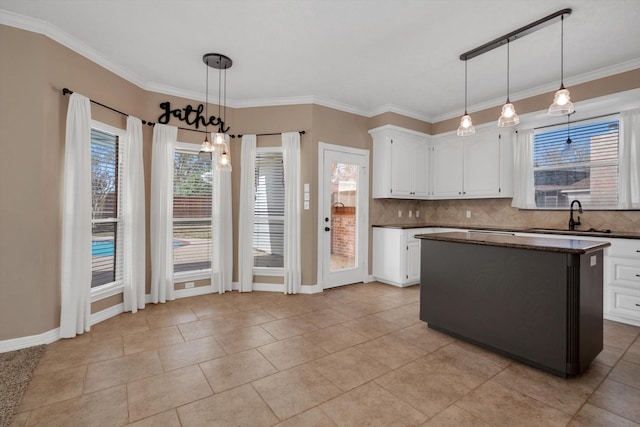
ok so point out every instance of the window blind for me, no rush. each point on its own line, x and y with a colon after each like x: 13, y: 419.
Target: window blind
x: 191, y: 212
x: 268, y: 230
x: 577, y: 163
x: 106, y: 178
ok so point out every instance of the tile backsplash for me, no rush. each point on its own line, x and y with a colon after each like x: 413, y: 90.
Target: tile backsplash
x: 494, y: 213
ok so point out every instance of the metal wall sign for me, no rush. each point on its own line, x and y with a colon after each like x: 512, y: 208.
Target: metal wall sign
x: 190, y: 115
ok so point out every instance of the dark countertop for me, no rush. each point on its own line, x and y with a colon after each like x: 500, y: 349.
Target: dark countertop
x: 534, y: 230
x: 572, y: 246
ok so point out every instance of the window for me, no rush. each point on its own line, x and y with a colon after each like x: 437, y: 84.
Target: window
x: 268, y: 230
x: 191, y: 211
x: 106, y: 229
x: 579, y: 163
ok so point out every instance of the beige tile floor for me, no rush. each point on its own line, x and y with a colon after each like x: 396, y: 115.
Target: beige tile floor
x: 351, y: 356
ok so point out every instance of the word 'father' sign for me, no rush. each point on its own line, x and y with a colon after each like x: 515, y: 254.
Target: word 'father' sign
x: 190, y: 115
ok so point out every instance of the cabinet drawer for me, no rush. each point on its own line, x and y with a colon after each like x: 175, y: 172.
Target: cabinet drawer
x: 622, y: 271
x: 628, y: 248
x: 624, y: 302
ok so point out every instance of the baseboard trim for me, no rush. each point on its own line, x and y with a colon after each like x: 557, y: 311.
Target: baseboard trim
x: 30, y: 341
x: 100, y: 316
x: 192, y: 292
x: 107, y: 313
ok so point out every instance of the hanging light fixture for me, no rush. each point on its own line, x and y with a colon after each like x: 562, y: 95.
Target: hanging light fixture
x: 466, y: 125
x: 562, y: 100
x: 508, y: 116
x: 219, y: 143
x: 206, y: 148
x: 569, y: 154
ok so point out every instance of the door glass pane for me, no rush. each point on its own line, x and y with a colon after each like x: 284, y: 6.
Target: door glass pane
x: 344, y: 190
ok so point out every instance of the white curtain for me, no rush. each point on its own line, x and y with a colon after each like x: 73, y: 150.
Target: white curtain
x: 75, y: 310
x: 292, y: 212
x: 221, y: 225
x: 245, y: 216
x: 523, y: 185
x: 629, y: 167
x: 133, y: 218
x: 164, y: 142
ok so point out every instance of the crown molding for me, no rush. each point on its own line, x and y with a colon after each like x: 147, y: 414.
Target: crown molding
x: 45, y: 28
x: 390, y: 108
x: 56, y: 34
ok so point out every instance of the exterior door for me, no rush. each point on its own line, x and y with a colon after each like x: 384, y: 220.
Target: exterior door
x: 343, y: 215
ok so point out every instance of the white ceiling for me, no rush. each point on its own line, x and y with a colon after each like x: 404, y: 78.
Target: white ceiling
x: 363, y: 56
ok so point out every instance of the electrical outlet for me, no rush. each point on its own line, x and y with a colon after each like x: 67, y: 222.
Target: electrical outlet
x: 399, y: 214
x: 417, y: 214
x: 189, y: 285
x: 410, y: 214
x: 468, y: 214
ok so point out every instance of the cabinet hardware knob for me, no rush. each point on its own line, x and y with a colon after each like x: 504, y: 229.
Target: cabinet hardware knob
x: 327, y: 229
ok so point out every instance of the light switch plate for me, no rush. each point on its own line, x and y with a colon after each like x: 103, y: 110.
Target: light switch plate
x: 306, y: 205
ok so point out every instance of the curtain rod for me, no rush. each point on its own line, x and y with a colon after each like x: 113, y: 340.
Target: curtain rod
x: 67, y: 91
x: 301, y: 132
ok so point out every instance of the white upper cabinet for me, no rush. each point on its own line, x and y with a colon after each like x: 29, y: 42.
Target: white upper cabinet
x: 407, y: 165
x: 474, y: 166
x: 400, y: 163
x: 447, y: 167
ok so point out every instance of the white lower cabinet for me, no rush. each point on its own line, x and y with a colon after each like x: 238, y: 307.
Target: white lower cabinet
x: 622, y: 276
x: 396, y: 254
x: 621, y: 281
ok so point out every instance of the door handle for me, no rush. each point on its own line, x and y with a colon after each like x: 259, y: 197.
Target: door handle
x: 327, y: 229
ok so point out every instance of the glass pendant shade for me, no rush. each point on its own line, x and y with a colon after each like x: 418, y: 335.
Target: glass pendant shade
x: 466, y: 126
x: 206, y: 145
x: 508, y: 116
x: 219, y: 140
x: 224, y: 163
x: 561, y: 103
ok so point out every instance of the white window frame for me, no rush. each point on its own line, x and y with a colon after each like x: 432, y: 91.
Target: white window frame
x: 269, y: 271
x: 186, y: 276
x: 599, y: 163
x: 116, y: 287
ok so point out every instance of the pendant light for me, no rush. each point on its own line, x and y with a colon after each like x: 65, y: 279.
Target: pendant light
x: 206, y: 148
x: 219, y: 144
x: 466, y: 125
x: 569, y: 153
x: 508, y: 116
x: 562, y: 100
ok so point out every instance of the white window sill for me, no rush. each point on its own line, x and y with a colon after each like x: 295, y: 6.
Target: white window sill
x: 268, y: 271
x: 106, y: 291
x: 188, y: 276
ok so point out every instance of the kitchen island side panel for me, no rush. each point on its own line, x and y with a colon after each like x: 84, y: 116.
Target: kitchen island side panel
x: 509, y: 299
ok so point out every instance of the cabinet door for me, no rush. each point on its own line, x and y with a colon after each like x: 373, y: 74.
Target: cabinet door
x: 401, y: 172
x: 482, y: 167
x: 413, y: 262
x: 420, y: 170
x: 447, y: 169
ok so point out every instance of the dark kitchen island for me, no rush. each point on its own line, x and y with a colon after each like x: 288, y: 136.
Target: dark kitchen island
x: 536, y: 300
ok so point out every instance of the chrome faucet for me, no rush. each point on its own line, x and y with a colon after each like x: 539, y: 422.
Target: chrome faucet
x: 573, y: 222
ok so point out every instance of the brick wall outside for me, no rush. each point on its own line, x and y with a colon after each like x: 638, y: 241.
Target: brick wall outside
x: 343, y: 224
